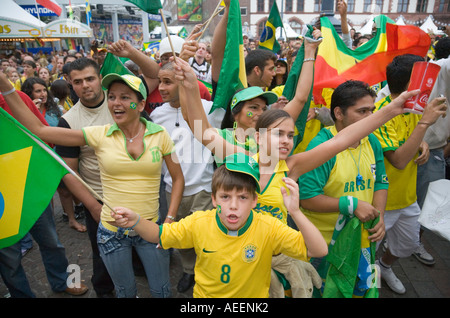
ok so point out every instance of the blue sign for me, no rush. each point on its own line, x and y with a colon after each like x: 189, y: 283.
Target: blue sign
x: 43, y: 12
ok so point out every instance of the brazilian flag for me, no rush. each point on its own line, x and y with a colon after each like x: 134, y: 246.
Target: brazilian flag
x: 268, y: 37
x: 29, y: 178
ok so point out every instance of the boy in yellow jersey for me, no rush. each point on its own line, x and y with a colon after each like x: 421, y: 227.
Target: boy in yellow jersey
x: 234, y: 244
x: 356, y: 175
x: 401, y: 139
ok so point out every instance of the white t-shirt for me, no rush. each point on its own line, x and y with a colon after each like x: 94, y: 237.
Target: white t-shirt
x: 195, y: 159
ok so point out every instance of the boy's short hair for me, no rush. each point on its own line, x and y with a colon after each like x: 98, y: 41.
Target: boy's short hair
x: 398, y: 72
x: 239, y: 172
x: 258, y: 57
x: 348, y: 94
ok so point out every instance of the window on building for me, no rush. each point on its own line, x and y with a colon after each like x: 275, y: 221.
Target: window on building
x: 300, y: 5
x: 402, y: 5
x: 271, y: 4
x: 367, y: 6
x: 288, y: 6
x: 260, y: 26
x: 317, y: 7
x: 296, y: 26
x: 243, y: 11
x: 421, y: 5
x: 351, y: 6
x: 260, y: 6
x: 379, y: 5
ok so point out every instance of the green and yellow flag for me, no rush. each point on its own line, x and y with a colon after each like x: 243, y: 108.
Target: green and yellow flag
x: 29, y: 178
x: 232, y: 73
x: 268, y: 38
x: 113, y: 64
x: 149, y: 6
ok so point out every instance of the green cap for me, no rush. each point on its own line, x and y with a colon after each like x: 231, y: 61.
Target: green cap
x: 240, y: 162
x: 253, y: 92
x: 133, y: 82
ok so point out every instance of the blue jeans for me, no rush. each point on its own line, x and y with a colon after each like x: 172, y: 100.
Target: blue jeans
x: 115, y: 250
x: 432, y: 170
x: 53, y: 256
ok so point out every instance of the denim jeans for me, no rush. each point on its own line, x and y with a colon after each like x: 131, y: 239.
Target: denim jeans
x: 115, y: 250
x: 53, y: 256
x: 432, y: 170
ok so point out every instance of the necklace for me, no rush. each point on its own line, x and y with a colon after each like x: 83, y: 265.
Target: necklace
x: 359, y: 177
x: 131, y: 139
x: 177, y: 122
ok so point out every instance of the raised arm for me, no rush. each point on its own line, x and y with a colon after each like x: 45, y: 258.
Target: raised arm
x: 197, y: 119
x: 20, y: 111
x: 148, y: 66
x: 304, y: 84
x: 311, y: 159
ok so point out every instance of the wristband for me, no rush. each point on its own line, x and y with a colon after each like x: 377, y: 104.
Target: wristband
x: 170, y: 217
x: 136, y: 222
x: 310, y: 59
x: 348, y: 205
x: 9, y: 92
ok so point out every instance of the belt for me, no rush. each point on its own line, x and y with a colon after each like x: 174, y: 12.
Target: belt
x: 115, y: 229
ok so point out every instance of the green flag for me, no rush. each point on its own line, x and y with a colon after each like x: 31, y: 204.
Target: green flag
x: 232, y: 72
x: 268, y: 37
x: 289, y: 92
x: 29, y: 178
x: 113, y: 64
x: 183, y: 33
x: 149, y: 6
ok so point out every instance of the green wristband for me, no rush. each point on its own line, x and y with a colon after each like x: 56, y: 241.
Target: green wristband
x: 348, y: 205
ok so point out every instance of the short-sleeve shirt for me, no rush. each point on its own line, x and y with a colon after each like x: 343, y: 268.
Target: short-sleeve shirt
x: 393, y: 134
x: 233, y: 264
x: 129, y: 182
x: 337, y: 177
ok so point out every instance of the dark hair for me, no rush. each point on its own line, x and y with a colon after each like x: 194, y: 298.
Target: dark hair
x: 30, y: 62
x: 398, y: 72
x: 270, y: 116
x: 285, y: 76
x: 82, y: 63
x: 229, y: 180
x: 60, y: 89
x: 442, y: 48
x: 50, y: 106
x: 69, y: 55
x: 348, y: 94
x: 228, y: 118
x: 258, y: 57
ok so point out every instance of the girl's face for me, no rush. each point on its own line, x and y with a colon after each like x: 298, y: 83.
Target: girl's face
x: 44, y: 74
x: 39, y: 91
x: 13, y: 76
x: 250, y: 112
x: 281, y: 69
x: 278, y: 139
x: 123, y: 103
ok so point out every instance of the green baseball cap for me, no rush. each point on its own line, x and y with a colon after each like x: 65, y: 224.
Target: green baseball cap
x: 133, y: 82
x: 240, y: 162
x: 253, y: 92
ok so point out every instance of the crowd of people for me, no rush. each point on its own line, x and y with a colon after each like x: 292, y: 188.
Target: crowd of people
x: 250, y: 215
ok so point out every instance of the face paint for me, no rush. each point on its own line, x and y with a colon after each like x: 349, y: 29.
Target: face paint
x: 219, y: 209
x: 133, y: 105
x: 249, y: 114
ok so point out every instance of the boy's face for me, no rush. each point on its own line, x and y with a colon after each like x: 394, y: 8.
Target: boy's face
x: 235, y: 207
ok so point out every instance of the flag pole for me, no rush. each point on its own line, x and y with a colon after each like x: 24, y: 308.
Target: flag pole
x: 57, y: 158
x: 168, y: 33
x: 216, y: 12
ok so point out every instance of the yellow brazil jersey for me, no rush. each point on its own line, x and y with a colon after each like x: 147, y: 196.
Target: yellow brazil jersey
x: 233, y: 264
x: 402, y: 189
x: 338, y: 177
x: 126, y: 181
x: 270, y: 200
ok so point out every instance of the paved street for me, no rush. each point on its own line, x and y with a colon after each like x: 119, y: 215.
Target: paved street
x: 421, y: 281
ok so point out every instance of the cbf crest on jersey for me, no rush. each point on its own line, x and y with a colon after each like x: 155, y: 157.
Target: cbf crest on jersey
x: 249, y: 253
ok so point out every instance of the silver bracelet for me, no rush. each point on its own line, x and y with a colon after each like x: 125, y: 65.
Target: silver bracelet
x: 170, y: 217
x: 9, y: 92
x: 310, y: 59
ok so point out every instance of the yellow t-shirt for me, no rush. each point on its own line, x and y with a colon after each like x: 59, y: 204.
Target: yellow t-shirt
x: 233, y: 264
x: 270, y: 200
x: 393, y: 134
x: 337, y: 177
x: 129, y: 182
